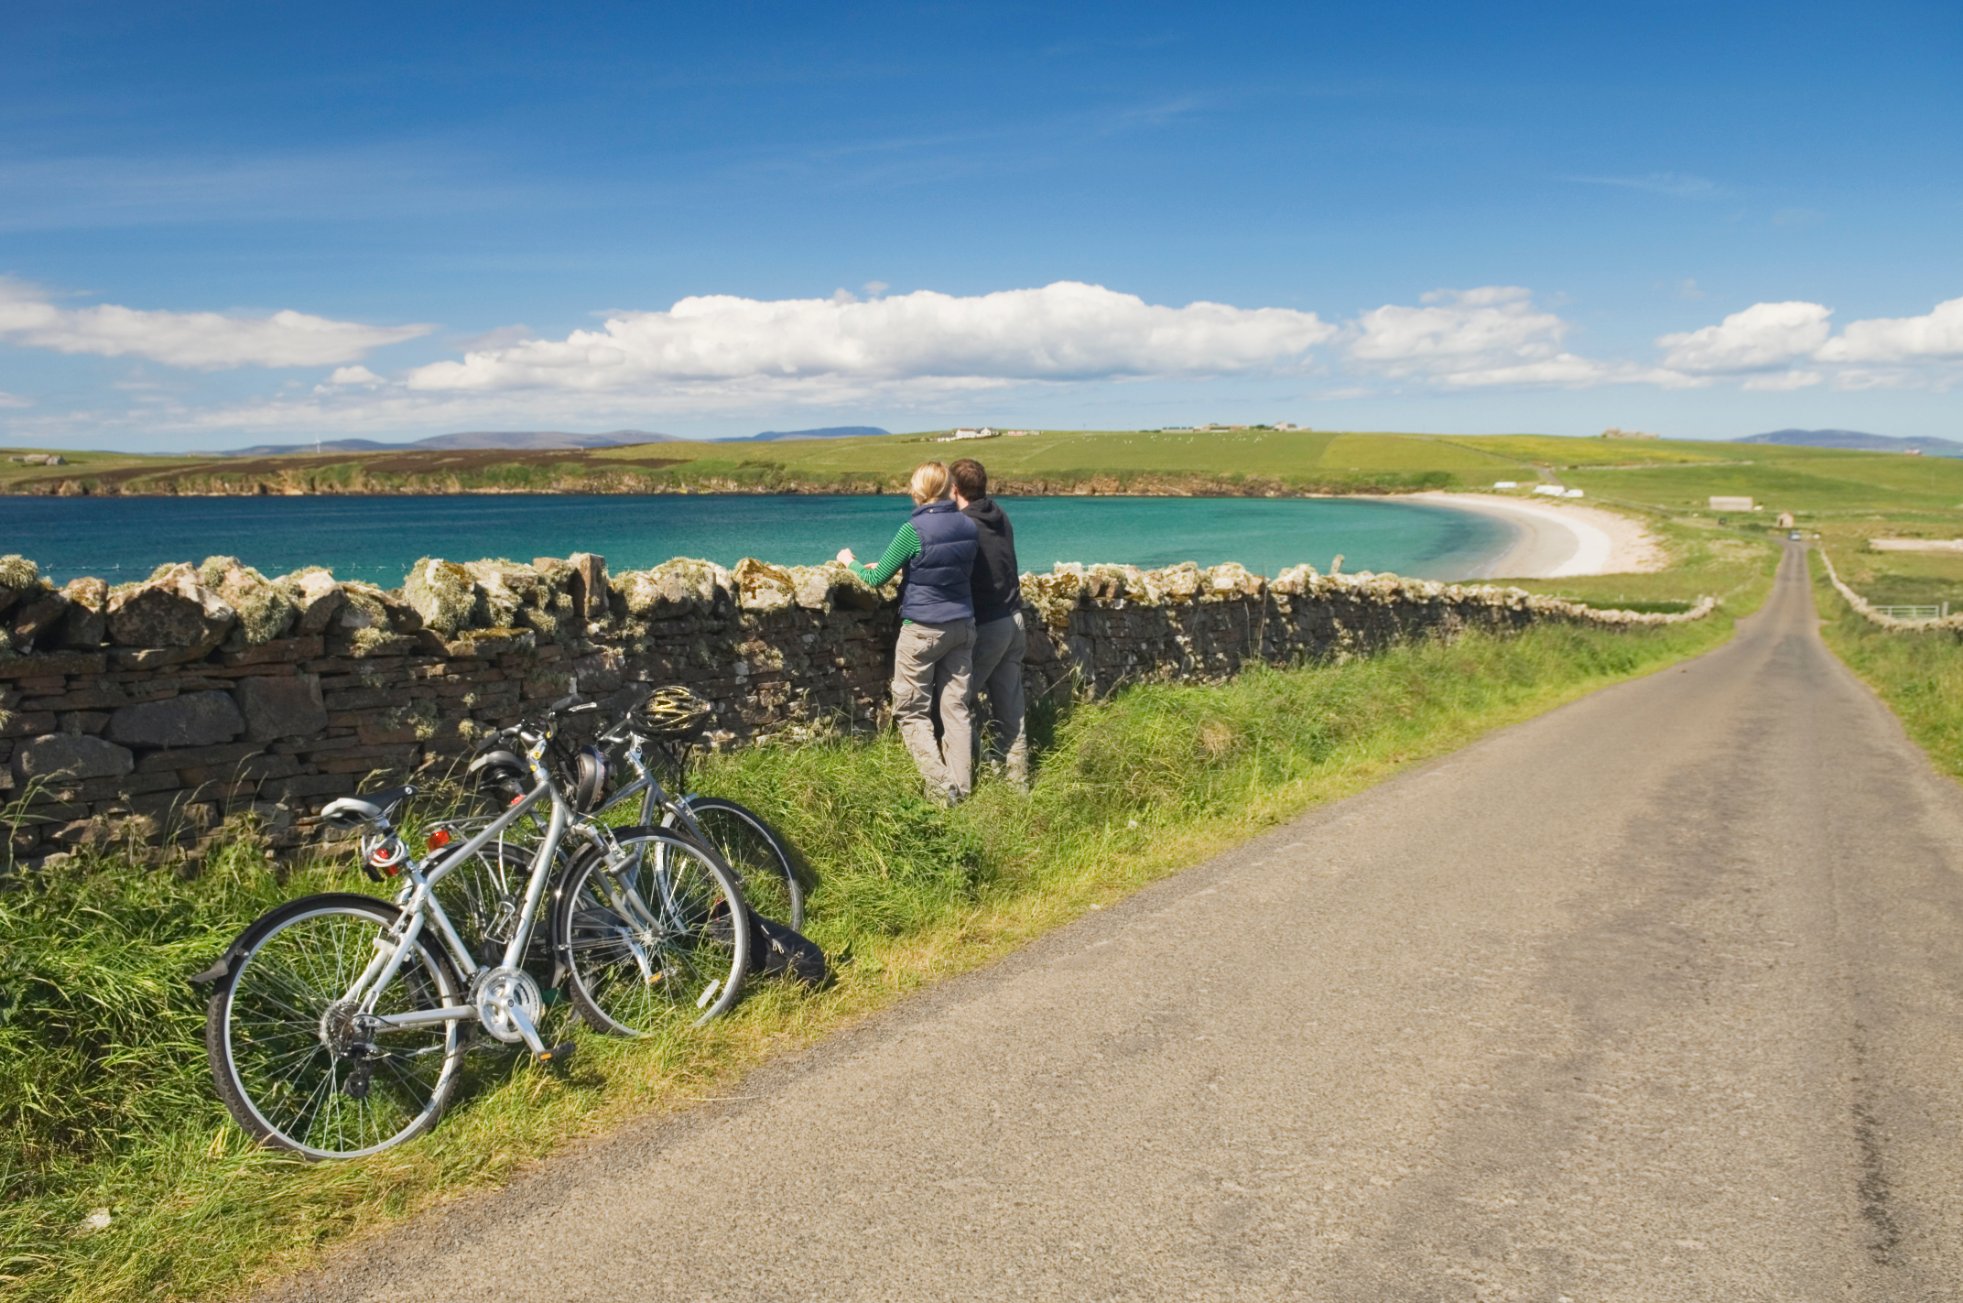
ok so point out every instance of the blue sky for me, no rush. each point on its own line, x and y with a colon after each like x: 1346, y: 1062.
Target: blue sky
x: 225, y: 224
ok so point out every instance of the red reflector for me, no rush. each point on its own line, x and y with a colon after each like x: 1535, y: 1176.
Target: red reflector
x: 514, y: 800
x: 439, y: 839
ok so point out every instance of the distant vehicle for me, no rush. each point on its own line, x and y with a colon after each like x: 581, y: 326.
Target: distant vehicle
x: 1793, y: 535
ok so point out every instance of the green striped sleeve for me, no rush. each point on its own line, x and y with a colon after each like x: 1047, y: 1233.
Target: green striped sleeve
x: 904, y: 548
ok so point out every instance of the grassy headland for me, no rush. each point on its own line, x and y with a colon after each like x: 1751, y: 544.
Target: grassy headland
x: 1659, y: 474
x: 104, y: 1100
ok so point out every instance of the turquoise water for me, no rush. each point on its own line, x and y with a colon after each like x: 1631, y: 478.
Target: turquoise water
x: 379, y: 538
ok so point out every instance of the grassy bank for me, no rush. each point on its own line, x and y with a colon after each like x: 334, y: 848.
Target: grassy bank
x: 104, y: 1099
x: 1919, y: 675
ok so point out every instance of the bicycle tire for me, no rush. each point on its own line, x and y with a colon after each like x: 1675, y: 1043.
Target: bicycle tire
x: 751, y: 848
x: 634, y: 960
x: 267, y: 1042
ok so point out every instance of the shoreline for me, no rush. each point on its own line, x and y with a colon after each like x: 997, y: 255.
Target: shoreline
x: 1556, y: 540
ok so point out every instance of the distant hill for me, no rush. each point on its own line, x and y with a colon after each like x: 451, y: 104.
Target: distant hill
x: 1856, y: 439
x: 512, y: 440
x: 823, y: 432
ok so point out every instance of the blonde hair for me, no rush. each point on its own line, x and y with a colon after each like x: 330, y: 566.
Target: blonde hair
x: 929, y: 482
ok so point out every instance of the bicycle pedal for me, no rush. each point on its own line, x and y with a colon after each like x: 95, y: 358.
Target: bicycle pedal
x: 559, y: 1054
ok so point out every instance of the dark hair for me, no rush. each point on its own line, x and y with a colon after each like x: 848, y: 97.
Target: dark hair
x: 970, y: 478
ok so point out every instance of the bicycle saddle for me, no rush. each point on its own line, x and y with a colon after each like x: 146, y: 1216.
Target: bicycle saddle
x: 373, y: 808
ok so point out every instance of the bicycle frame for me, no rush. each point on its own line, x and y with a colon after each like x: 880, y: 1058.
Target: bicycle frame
x: 657, y: 799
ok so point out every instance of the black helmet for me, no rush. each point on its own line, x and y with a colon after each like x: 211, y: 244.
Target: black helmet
x: 502, y: 775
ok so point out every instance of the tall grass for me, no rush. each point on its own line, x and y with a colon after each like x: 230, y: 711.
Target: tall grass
x: 1919, y: 675
x: 106, y: 1109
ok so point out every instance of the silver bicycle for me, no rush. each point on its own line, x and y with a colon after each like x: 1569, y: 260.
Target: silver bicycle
x: 648, y: 732
x: 674, y: 717
x: 338, y: 1023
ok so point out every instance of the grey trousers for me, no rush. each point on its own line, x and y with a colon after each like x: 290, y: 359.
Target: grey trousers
x: 999, y: 648
x: 937, y: 660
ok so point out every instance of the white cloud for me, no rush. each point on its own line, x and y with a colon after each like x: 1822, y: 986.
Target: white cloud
x: 1936, y: 334
x: 1495, y: 325
x: 354, y: 375
x: 1060, y: 332
x: 1778, y: 380
x: 1763, y: 336
x: 13, y: 401
x: 207, y: 341
x: 1491, y: 337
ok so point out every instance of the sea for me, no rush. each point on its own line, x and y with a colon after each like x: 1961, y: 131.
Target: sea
x: 378, y: 538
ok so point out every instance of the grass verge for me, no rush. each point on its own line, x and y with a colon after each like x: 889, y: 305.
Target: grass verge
x: 1919, y: 675
x: 105, y: 1105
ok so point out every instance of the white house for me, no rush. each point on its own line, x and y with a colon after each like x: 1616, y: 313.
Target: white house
x: 1550, y: 491
x: 1506, y: 484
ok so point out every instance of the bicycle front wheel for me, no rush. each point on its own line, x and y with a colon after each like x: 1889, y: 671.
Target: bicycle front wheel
x: 299, y: 1065
x: 652, y: 933
x: 757, y: 855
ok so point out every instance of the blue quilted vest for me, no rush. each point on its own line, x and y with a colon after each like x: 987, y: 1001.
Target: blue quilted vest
x: 934, y: 589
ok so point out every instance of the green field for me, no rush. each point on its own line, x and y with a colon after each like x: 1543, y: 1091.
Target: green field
x: 1663, y: 474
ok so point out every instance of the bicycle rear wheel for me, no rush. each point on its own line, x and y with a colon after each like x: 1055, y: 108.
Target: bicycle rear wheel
x: 297, y: 1065
x: 757, y: 855
x: 652, y: 933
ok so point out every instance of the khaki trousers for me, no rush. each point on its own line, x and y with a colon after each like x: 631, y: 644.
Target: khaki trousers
x: 933, y: 660
x: 999, y: 648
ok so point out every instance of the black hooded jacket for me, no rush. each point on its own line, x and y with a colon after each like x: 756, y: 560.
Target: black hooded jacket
x: 996, y: 583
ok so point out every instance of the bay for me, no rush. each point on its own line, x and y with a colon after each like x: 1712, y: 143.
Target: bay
x: 379, y: 538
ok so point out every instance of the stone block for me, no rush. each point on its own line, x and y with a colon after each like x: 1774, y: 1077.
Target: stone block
x: 45, y: 665
x: 282, y: 706
x: 589, y: 585
x: 444, y: 594
x: 18, y: 577
x: 75, y: 756
x: 172, y: 608
x: 191, y: 719
x: 28, y: 723
x: 35, y: 617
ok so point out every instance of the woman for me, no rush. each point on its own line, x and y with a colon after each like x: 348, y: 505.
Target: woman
x: 934, y: 552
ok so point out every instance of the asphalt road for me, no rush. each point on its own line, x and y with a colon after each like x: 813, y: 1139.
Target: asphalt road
x: 1655, y: 997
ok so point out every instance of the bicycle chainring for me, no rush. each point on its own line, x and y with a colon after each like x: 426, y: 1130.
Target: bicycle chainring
x: 496, y: 991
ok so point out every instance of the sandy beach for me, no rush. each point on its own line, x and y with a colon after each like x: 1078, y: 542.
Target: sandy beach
x: 1553, y: 539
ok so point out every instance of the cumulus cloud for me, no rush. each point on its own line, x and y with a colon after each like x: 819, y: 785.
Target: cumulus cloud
x: 1798, y: 378
x: 205, y: 341
x: 1458, y: 329
x: 1791, y: 345
x: 1060, y: 332
x: 1491, y: 337
x: 1936, y: 334
x: 1761, y: 338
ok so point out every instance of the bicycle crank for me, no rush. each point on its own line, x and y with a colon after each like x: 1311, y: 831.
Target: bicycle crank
x: 509, y: 1006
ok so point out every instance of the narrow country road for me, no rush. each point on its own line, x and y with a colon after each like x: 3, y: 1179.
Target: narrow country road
x: 1656, y: 997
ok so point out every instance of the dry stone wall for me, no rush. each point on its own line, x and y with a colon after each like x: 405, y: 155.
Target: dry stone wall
x: 153, y: 711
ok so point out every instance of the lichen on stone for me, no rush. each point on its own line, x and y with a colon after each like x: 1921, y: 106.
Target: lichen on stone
x: 265, y: 608
x: 444, y: 593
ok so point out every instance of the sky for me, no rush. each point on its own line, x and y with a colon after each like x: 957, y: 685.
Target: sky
x: 230, y: 224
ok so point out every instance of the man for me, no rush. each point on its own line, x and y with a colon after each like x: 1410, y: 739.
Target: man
x: 1000, y: 638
